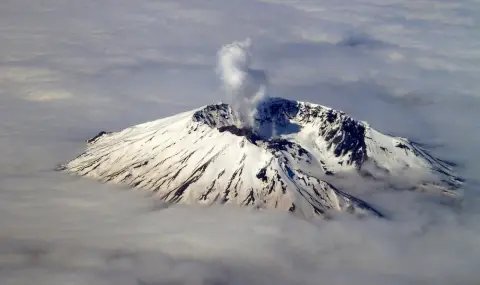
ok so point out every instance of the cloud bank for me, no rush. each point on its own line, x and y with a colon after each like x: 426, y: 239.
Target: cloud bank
x: 409, y: 68
x: 89, y: 234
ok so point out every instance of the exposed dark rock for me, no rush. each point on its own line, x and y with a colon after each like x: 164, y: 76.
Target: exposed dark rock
x: 402, y: 146
x: 280, y: 144
x: 95, y: 138
x: 346, y: 136
x: 215, y: 116
x: 292, y: 208
x: 241, y: 132
x: 262, y: 175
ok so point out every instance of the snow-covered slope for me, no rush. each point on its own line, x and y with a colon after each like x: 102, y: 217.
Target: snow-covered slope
x: 202, y: 156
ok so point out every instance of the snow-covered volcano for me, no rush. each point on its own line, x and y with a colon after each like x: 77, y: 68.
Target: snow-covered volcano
x: 202, y: 156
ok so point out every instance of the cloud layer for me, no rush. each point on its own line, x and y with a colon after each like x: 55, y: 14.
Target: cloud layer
x: 72, y: 68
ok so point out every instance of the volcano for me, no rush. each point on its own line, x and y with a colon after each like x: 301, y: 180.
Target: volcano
x: 287, y: 161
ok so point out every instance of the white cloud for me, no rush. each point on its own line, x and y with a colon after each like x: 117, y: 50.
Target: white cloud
x: 50, y: 95
x: 23, y: 75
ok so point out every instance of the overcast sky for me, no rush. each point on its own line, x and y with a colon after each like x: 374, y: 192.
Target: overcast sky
x: 69, y: 69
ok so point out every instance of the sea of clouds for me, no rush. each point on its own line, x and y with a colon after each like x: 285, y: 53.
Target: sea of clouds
x: 69, y: 69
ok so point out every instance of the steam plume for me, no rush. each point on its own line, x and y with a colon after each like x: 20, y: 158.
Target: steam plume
x: 245, y: 87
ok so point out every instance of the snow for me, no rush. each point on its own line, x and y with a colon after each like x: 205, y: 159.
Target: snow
x: 191, y: 158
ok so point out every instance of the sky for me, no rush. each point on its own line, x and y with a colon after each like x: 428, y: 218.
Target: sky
x: 69, y: 69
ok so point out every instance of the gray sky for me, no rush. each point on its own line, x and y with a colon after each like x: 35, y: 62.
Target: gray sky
x: 69, y: 69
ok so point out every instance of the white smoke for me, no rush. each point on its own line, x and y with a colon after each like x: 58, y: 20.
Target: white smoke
x: 245, y: 87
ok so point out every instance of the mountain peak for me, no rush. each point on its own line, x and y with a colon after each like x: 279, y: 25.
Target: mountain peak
x: 282, y: 161
x: 277, y: 116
